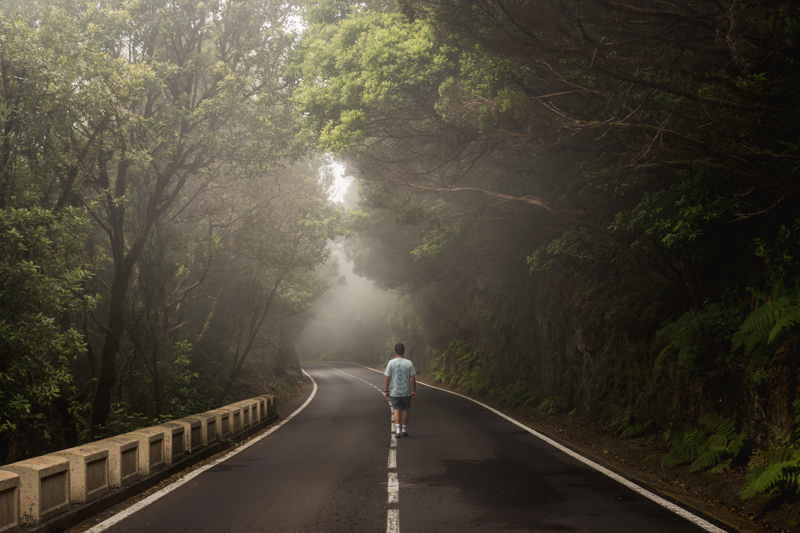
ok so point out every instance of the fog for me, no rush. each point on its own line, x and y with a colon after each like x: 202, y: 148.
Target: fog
x: 349, y: 321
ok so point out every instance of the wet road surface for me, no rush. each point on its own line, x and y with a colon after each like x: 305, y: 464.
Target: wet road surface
x: 335, y: 467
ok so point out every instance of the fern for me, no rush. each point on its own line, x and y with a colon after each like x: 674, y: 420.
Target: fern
x: 632, y: 431
x: 519, y: 393
x: 713, y: 448
x: 770, y: 321
x: 623, y: 420
x: 683, y: 448
x: 777, y: 476
x: 763, y: 459
x: 787, y: 319
x: 691, y: 337
x: 555, y: 404
x: 708, y: 460
x: 625, y: 424
x: 777, y: 468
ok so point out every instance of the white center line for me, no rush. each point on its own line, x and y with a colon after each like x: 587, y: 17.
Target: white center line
x: 393, y: 486
x: 393, y: 521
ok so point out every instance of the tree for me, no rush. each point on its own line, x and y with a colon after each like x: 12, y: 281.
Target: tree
x: 169, y: 128
x: 40, y: 281
x: 279, y: 242
x: 509, y: 81
x: 215, y: 101
x: 598, y: 175
x: 59, y: 92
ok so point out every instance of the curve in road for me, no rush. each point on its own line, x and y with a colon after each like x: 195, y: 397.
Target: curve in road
x: 465, y: 467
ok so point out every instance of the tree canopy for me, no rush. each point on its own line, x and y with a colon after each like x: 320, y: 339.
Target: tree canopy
x: 164, y: 225
x: 577, y: 200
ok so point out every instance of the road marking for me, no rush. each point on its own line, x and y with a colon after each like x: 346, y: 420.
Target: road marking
x: 680, y: 511
x: 358, y: 378
x: 394, y: 488
x: 169, y: 488
x: 393, y: 521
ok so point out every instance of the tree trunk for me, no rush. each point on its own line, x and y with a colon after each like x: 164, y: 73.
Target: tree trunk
x: 68, y: 430
x: 256, y: 327
x: 101, y: 405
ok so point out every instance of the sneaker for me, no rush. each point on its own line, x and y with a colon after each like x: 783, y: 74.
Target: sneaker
x: 405, y: 433
x: 398, y: 435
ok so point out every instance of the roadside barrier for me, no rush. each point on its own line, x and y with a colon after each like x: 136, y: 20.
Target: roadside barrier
x: 42, y: 491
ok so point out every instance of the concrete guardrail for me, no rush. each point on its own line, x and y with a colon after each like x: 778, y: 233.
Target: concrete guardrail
x: 98, y: 475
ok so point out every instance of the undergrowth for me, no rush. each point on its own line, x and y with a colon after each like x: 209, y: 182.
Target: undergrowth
x: 626, y: 425
x: 517, y: 394
x: 772, y: 321
x: 711, y: 448
x: 555, y: 404
x: 459, y: 365
x: 776, y: 468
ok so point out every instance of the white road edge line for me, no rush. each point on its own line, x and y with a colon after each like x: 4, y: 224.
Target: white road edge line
x: 169, y: 488
x: 680, y: 511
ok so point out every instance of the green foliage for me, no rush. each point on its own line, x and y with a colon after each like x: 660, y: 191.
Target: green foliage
x: 327, y: 11
x: 360, y: 66
x: 573, y: 248
x: 679, y: 216
x: 519, y: 394
x: 776, y: 467
x: 711, y: 448
x: 170, y: 126
x: 779, y: 252
x: 460, y: 365
x: 554, y: 405
x: 694, y: 340
x: 40, y: 281
x: 773, y: 322
x: 123, y: 421
x: 438, y: 240
x: 626, y: 425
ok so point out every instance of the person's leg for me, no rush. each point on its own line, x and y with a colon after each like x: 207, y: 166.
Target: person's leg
x: 396, y: 405
x: 406, y: 408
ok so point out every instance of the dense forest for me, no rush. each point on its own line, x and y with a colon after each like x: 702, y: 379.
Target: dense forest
x: 163, y: 225
x: 583, y: 207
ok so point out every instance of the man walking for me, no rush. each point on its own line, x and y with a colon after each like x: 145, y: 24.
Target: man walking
x: 401, y: 388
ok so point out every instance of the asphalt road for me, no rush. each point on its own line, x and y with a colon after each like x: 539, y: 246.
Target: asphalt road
x: 335, y: 467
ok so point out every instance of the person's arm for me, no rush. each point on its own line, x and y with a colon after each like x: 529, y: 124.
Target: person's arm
x: 386, y: 386
x: 413, y: 387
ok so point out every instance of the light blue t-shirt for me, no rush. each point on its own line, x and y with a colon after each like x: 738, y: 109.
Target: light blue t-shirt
x: 400, y: 370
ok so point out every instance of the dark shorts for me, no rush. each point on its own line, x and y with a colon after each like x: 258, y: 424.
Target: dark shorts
x: 401, y: 402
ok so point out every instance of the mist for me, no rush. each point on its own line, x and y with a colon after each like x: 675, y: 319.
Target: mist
x: 350, y: 321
